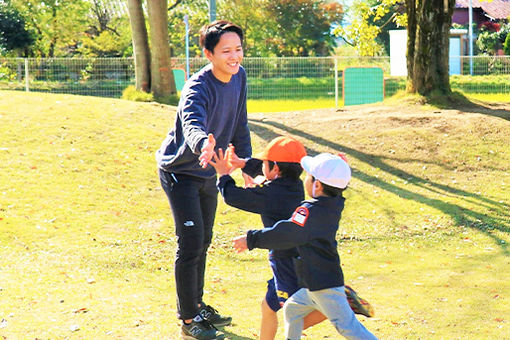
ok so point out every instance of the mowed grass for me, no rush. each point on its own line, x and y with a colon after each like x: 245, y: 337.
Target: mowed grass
x: 86, y: 234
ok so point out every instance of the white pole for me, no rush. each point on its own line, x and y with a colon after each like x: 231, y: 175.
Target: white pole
x: 27, y: 83
x: 187, y: 45
x: 470, y: 37
x: 336, y: 82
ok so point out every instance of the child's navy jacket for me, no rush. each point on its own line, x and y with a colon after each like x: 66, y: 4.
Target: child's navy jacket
x: 274, y: 201
x: 312, y: 230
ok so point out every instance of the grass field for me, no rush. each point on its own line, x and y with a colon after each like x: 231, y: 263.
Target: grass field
x: 87, y: 243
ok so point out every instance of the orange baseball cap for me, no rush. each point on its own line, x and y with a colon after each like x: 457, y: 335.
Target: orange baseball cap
x: 283, y: 149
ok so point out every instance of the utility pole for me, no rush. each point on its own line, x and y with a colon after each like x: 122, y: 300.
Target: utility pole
x: 212, y: 10
x: 470, y: 33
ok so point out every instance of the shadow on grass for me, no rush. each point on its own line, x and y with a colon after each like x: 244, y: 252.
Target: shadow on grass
x: 462, y: 216
x: 458, y: 101
x: 234, y: 336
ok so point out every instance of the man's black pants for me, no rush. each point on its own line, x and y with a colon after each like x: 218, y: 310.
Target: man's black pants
x: 193, y: 201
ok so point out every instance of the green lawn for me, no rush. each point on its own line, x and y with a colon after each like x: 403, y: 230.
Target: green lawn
x: 86, y: 234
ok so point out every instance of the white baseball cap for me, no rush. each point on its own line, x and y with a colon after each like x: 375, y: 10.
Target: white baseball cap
x: 328, y: 169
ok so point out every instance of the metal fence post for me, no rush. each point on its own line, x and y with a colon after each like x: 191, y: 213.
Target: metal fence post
x: 336, y: 82
x: 27, y: 83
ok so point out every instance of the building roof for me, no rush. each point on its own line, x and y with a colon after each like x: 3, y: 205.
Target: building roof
x: 496, y: 9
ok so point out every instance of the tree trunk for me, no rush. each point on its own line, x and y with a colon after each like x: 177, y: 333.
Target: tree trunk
x: 162, y: 79
x: 140, y: 45
x: 428, y: 45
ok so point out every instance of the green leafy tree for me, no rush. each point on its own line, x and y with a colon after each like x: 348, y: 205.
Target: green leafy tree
x: 428, y: 31
x: 490, y: 41
x: 258, y: 24
x: 303, y: 26
x: 506, y: 46
x: 13, y: 34
x: 58, y: 25
x: 197, y: 12
x: 370, y: 22
x: 108, y: 33
x: 271, y: 27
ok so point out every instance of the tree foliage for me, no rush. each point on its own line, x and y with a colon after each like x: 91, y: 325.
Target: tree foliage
x: 370, y: 22
x: 13, y: 33
x: 428, y: 30
x: 76, y: 27
x: 108, y: 33
x: 506, y: 45
x: 197, y: 12
x: 489, y: 41
x: 303, y: 26
x: 272, y: 27
x: 58, y: 25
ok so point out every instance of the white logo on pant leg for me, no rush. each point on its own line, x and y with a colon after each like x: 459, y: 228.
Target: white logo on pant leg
x: 189, y: 224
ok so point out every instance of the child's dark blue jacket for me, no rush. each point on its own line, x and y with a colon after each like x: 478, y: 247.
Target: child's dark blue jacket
x: 312, y: 229
x: 274, y: 200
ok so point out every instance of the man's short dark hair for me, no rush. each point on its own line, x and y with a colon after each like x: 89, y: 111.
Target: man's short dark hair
x: 288, y: 169
x: 210, y: 34
x: 330, y: 191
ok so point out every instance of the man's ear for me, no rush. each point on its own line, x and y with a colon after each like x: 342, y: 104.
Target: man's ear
x: 208, y: 54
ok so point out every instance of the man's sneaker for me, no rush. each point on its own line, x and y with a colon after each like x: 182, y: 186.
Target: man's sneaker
x: 358, y: 304
x: 212, y: 315
x: 201, y: 330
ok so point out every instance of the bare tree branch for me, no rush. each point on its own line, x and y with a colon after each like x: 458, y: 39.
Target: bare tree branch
x: 177, y: 2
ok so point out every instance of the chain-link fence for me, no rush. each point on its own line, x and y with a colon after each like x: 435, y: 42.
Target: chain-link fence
x: 268, y: 78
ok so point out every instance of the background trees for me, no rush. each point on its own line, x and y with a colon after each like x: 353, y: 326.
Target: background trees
x: 13, y: 34
x: 273, y: 28
x: 428, y: 25
x: 152, y: 61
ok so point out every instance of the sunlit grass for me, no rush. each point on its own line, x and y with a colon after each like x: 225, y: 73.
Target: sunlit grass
x: 290, y: 105
x: 321, y: 103
x: 87, y: 242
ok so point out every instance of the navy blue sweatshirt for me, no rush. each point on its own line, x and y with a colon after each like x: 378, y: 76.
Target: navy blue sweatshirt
x: 207, y: 105
x: 274, y: 201
x: 312, y: 229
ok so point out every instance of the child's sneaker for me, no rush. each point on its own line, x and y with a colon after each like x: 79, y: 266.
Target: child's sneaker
x: 212, y: 315
x: 200, y: 330
x: 358, y: 304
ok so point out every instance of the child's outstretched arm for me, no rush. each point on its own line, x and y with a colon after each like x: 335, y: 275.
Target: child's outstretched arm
x: 234, y: 161
x: 220, y: 163
x: 238, y: 163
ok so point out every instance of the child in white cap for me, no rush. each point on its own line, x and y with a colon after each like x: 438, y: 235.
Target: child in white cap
x: 312, y: 230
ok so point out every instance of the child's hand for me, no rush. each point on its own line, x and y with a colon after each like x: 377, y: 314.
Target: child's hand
x: 248, y: 181
x: 235, y: 162
x: 220, y: 164
x: 207, y: 151
x: 240, y: 244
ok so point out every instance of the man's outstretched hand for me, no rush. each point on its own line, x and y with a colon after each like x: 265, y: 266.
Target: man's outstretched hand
x: 207, y: 151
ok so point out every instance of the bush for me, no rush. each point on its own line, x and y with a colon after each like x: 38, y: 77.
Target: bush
x: 131, y: 93
x: 6, y: 73
x: 506, y: 45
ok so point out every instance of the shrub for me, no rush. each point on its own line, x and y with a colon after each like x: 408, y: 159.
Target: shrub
x: 131, y: 93
x: 6, y: 73
x: 506, y: 45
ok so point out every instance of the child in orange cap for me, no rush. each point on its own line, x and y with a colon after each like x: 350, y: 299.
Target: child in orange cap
x: 311, y: 230
x: 274, y: 200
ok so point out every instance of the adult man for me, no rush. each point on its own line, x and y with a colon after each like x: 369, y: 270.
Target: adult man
x: 211, y: 114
